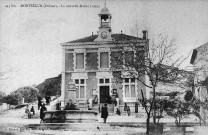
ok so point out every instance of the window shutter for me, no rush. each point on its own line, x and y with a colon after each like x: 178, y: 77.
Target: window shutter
x: 127, y: 91
x: 82, y: 92
x: 104, y: 60
x: 133, y: 93
x: 80, y: 61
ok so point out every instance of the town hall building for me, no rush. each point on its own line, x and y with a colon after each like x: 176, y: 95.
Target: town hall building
x: 87, y: 62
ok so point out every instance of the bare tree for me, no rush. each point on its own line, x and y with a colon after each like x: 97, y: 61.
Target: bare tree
x: 156, y: 61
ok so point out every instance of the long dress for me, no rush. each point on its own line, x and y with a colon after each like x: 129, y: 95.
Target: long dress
x: 128, y: 111
x: 104, y: 112
x: 125, y: 107
x: 42, y: 115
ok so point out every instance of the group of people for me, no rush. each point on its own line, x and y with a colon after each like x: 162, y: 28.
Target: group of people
x: 47, y: 99
x: 127, y: 109
x: 30, y: 112
x: 104, y: 111
x: 41, y: 107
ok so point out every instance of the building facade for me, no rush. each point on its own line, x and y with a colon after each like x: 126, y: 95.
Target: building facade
x: 199, y: 60
x: 88, y: 62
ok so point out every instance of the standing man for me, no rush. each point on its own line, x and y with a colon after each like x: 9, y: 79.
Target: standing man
x: 48, y: 99
x: 42, y: 110
x: 104, y: 112
x: 39, y: 102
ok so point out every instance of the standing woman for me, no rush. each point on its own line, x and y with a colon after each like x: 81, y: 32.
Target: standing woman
x: 128, y: 111
x: 125, y: 107
x: 42, y: 115
x: 104, y: 112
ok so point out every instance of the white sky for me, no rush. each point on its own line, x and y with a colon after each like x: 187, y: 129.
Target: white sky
x: 30, y: 38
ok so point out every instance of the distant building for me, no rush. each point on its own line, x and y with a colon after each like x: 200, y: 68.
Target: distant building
x: 183, y: 84
x: 199, y: 60
x: 87, y: 62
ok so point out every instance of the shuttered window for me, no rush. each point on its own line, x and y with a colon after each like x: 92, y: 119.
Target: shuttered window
x: 127, y: 91
x: 129, y: 57
x: 80, y: 61
x: 104, y: 60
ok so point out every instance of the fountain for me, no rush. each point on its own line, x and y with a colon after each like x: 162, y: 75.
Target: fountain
x: 70, y: 112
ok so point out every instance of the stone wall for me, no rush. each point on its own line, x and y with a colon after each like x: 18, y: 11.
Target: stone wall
x: 117, y: 84
x: 67, y: 81
x: 69, y: 60
x: 91, y: 84
x: 92, y: 61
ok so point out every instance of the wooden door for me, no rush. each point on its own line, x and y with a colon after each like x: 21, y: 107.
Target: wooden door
x: 104, y: 92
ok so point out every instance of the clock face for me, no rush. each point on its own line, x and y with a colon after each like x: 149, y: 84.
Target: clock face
x: 103, y: 35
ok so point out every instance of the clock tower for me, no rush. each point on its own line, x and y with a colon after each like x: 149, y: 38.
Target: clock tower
x: 104, y: 33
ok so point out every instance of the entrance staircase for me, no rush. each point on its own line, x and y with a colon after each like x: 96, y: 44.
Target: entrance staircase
x: 81, y: 105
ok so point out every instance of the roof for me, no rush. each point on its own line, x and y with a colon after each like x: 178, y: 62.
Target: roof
x: 117, y: 37
x: 104, y: 11
x: 194, y: 54
x: 198, y: 48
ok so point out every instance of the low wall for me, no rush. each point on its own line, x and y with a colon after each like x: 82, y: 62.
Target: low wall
x: 4, y: 106
x: 70, y: 116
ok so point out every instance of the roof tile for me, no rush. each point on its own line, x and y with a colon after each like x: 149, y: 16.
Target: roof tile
x: 117, y: 37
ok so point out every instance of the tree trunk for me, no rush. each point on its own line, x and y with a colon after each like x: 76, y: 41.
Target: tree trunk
x: 158, y: 120
x: 154, y: 105
x: 154, y: 117
x: 148, y: 124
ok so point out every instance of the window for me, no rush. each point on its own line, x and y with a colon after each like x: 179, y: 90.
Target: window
x: 105, y: 80
x: 129, y: 87
x: 101, y: 80
x: 104, y: 60
x: 116, y: 59
x: 129, y: 57
x: 79, y: 60
x: 80, y: 83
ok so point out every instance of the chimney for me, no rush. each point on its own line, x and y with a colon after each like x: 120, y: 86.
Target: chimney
x: 145, y: 36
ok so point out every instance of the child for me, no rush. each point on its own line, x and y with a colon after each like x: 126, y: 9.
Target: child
x: 118, y: 112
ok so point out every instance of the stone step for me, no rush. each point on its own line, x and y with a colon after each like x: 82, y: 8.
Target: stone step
x: 73, y: 126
